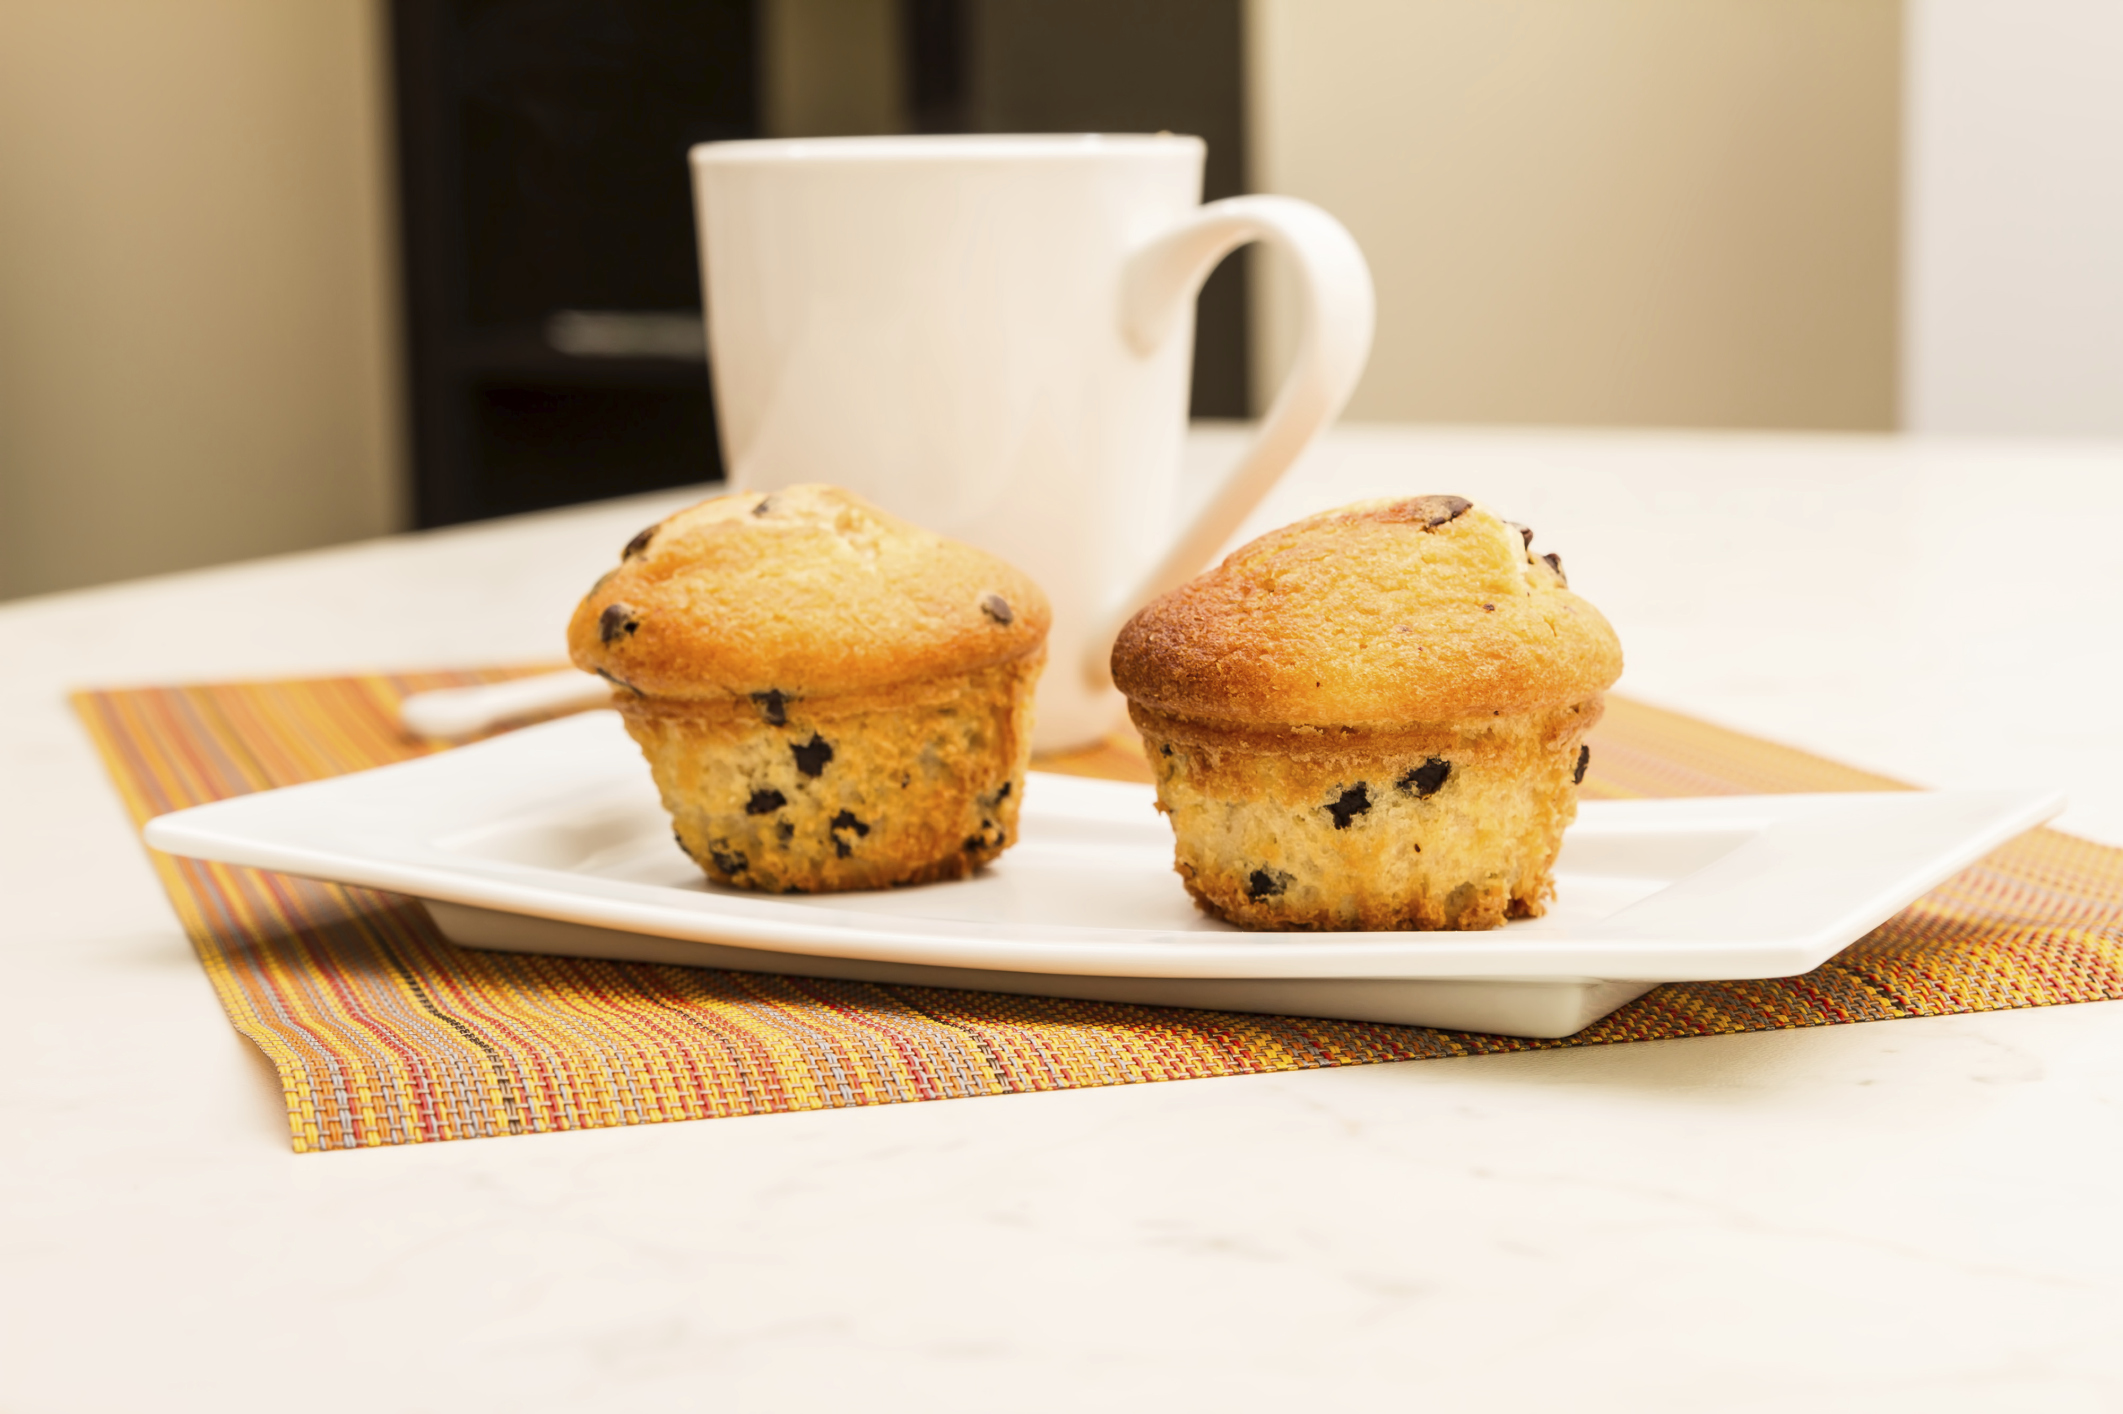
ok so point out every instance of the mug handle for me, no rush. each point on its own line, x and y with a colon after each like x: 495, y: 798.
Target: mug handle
x: 1334, y: 338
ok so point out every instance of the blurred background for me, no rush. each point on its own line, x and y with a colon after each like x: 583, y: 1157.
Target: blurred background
x: 275, y: 276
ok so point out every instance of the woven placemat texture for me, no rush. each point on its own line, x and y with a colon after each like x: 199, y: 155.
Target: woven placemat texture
x: 383, y: 1033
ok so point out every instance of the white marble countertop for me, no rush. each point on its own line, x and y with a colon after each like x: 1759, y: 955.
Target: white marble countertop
x: 1909, y: 1215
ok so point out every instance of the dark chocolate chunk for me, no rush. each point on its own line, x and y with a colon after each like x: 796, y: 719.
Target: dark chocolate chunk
x: 997, y: 608
x: 765, y: 802
x: 1427, y: 511
x: 729, y: 861
x: 1266, y: 883
x: 784, y: 831
x: 1555, y: 562
x: 1352, y: 803
x: 846, y: 820
x: 1577, y: 777
x: 616, y: 619
x: 812, y: 756
x: 640, y: 542
x: 774, y: 707
x: 976, y: 843
x: 1525, y: 532
x: 1490, y: 607
x: 1166, y: 748
x: 765, y: 506
x: 1425, y: 780
x: 1004, y: 793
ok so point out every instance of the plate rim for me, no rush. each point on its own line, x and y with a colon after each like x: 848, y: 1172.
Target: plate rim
x: 217, y: 831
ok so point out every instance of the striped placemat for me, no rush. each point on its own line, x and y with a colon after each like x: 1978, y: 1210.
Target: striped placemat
x: 383, y: 1033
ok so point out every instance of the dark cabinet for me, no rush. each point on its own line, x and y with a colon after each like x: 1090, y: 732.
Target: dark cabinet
x: 542, y: 179
x: 554, y: 348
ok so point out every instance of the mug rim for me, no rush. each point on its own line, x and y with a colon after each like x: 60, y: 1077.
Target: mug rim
x: 946, y: 147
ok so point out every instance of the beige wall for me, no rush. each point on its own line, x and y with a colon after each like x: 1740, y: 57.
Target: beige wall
x: 1579, y: 211
x: 196, y: 346
x: 1599, y: 211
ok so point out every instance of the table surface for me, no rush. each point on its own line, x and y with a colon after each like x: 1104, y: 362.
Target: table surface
x: 1915, y: 1214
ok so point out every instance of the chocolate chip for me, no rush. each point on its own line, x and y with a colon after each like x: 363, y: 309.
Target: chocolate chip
x: 730, y: 862
x: 619, y: 682
x: 1353, y: 802
x: 1004, y: 793
x: 1555, y: 562
x: 784, y: 831
x: 765, y: 506
x: 640, y: 542
x: 1266, y: 883
x: 997, y: 608
x: 1427, y: 511
x: 616, y: 619
x: 846, y: 820
x: 765, y: 802
x: 1577, y: 777
x: 812, y: 756
x: 975, y: 843
x: 682, y: 845
x: 1525, y: 533
x: 1166, y: 748
x: 1490, y: 607
x: 1425, y: 780
x: 773, y: 706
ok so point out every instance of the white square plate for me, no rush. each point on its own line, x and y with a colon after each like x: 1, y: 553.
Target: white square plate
x: 551, y: 840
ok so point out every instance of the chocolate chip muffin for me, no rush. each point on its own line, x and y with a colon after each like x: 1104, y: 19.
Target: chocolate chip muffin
x: 829, y: 698
x: 1374, y: 718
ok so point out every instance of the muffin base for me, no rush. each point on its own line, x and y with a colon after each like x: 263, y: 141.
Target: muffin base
x: 786, y: 794
x: 1449, y: 825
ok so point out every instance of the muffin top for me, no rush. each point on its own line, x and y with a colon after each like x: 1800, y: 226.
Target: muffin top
x: 1428, y: 609
x: 810, y: 590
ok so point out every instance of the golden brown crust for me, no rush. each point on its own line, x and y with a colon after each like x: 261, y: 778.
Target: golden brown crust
x: 1423, y: 609
x: 808, y: 591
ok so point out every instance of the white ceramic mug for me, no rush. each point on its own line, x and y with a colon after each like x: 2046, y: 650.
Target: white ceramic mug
x: 991, y: 337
